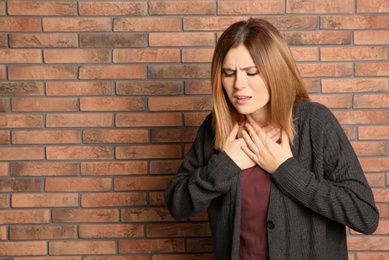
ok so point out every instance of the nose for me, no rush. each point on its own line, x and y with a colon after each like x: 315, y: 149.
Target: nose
x: 240, y: 81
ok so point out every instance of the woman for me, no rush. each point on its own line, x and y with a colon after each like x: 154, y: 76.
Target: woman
x: 276, y: 172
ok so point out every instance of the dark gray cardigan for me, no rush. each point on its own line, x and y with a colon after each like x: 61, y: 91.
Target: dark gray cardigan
x: 313, y: 195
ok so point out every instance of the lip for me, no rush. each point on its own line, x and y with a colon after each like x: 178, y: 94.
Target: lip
x: 242, y: 99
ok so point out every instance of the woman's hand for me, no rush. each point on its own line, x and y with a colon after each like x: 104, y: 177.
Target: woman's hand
x: 266, y: 149
x: 233, y: 148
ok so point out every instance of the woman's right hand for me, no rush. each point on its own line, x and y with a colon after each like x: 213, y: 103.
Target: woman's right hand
x: 233, y: 148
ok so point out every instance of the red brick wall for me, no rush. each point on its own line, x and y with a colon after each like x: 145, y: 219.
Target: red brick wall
x: 100, y: 100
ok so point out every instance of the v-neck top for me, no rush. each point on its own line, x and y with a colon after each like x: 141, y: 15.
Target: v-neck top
x: 253, y: 227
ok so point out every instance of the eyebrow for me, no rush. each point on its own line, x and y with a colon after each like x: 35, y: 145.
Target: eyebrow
x: 245, y: 68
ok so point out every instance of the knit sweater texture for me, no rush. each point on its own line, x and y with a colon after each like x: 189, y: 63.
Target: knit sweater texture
x: 314, y: 195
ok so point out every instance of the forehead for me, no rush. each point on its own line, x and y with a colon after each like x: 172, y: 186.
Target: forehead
x: 238, y: 56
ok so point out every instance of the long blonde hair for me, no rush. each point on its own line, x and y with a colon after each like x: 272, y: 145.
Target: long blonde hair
x: 277, y: 67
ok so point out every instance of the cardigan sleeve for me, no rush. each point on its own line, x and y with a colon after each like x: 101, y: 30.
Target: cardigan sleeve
x: 204, y: 174
x: 335, y: 186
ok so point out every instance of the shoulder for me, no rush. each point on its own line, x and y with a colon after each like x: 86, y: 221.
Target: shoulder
x: 314, y: 112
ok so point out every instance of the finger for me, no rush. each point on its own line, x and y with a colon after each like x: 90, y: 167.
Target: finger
x: 250, y: 143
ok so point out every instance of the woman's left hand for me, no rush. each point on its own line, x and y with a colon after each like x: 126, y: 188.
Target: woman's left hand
x: 262, y: 149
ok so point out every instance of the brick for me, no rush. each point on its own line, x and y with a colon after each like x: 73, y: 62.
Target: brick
x: 371, y: 101
x: 381, y: 194
x: 21, y: 89
x: 76, y: 56
x: 113, y: 104
x: 157, y: 199
x: 149, y: 119
x: 333, y: 101
x: 146, y: 56
x: 384, y: 210
x: 20, y: 185
x: 354, y: 22
x: 4, y: 105
x: 194, y: 119
x: 122, y: 199
x: 350, y: 132
x: 84, y: 215
x: 112, y: 40
x: 353, y: 53
x: 368, y: 243
x: 375, y: 179
x: 151, y: 246
x: 372, y: 6
x: 362, y: 117
x: 149, y: 24
x: 371, y: 37
x: 77, y: 184
x: 354, y: 85
x: 145, y: 215
x: 370, y: 148
x: 383, y: 228
x: 52, y: 40
x: 222, y: 22
x: 2, y: 8
x: 42, y: 232
x: 92, y: 88
x: 148, y: 151
x: 41, y: 72
x: 319, y: 7
x: 3, y: 40
x: 164, y: 167
x: 318, y: 38
x: 82, y: 247
x: 181, y: 7
x: 79, y: 120
x: 46, y: 137
x: 113, y: 168
x: 24, y: 217
x: 20, y: 25
x: 112, y: 72
x: 180, y: 104
x: 79, y: 152
x: 178, y: 71
x: 181, y: 39
x: 372, y: 256
x: 44, y: 200
x: 44, y: 169
x: 173, y: 135
x: 21, y: 56
x: 76, y: 24
x: 21, y: 153
x: 141, y: 183
x: 305, y: 54
x: 178, y: 230
x: 152, y: 88
x: 251, y: 7
x: 326, y: 70
x: 33, y: 248
x: 3, y: 233
x: 115, y: 136
x: 2, y: 72
x: 373, y: 132
x: 5, y: 203
x: 372, y: 69
x: 374, y: 164
x: 5, y: 137
x: 42, y: 8
x: 111, y: 231
x: 198, y: 87
x: 44, y: 105
x: 4, y: 168
x: 52, y: 258
x: 197, y: 55
x: 199, y: 245
x: 112, y: 8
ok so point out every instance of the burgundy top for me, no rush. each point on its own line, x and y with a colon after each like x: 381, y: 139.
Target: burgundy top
x: 255, y: 201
